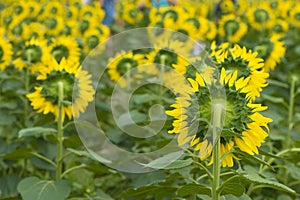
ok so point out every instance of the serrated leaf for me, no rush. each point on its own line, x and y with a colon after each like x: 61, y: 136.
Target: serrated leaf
x: 36, y: 131
x: 192, y: 189
x: 251, y: 175
x: 33, y: 188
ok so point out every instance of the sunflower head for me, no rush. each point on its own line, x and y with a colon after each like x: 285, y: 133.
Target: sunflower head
x: 244, y: 62
x: 6, y: 52
x: 72, y: 77
x: 232, y: 28
x: 244, y: 127
x: 64, y: 47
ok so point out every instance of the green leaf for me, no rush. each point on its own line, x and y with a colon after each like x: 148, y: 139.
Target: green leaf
x: 293, y: 170
x: 232, y: 186
x: 276, y: 100
x: 252, y: 158
x: 231, y: 197
x: 17, y: 154
x: 36, y: 131
x: 142, y: 191
x: 192, y: 189
x: 8, y: 185
x: 177, y: 164
x: 103, y: 196
x: 89, y: 154
x: 33, y: 188
x: 164, y: 161
x: 251, y: 175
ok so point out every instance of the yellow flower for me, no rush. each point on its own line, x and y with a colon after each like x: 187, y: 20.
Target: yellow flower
x: 45, y: 98
x: 244, y: 127
x: 18, y: 30
x: 245, y: 62
x: 64, y: 46
x: 294, y: 15
x: 54, y: 25
x: 122, y: 63
x: 6, y: 53
x: 131, y: 14
x: 260, y: 17
x: 227, y: 6
x: 271, y: 50
x: 231, y: 28
x: 93, y: 37
x: 32, y: 55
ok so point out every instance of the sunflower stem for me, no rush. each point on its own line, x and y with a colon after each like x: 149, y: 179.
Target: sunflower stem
x: 26, y: 106
x: 217, y: 123
x: 60, y: 133
x: 162, y: 71
x: 291, y: 111
x: 128, y: 75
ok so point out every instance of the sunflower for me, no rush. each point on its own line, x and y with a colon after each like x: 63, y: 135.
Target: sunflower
x: 64, y: 46
x: 171, y: 49
x: 94, y: 37
x: 245, y: 62
x: 280, y: 26
x: 260, y: 17
x: 199, y: 27
x: 18, y: 30
x: 6, y: 53
x: 32, y: 54
x: 294, y: 16
x: 211, y: 32
x: 271, y: 50
x: 45, y: 97
x: 37, y: 30
x: 122, y: 63
x: 244, y: 131
x: 227, y: 7
x: 52, y: 9
x: 280, y: 8
x: 131, y: 14
x: 231, y: 28
x: 54, y: 24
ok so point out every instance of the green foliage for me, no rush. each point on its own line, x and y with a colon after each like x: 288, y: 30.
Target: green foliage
x: 33, y: 188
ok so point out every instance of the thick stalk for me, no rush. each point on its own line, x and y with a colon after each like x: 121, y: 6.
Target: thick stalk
x: 291, y: 111
x: 60, y: 133
x: 217, y: 124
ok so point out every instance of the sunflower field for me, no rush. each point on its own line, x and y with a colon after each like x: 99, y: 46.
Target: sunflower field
x: 170, y: 99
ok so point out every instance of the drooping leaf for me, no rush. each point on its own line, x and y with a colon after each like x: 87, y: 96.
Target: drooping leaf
x: 36, y: 131
x: 251, y: 175
x: 177, y: 164
x: 164, y: 161
x: 247, y: 156
x: 33, y: 188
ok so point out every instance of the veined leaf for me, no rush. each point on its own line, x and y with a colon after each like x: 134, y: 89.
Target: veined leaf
x: 33, y: 188
x: 252, y: 176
